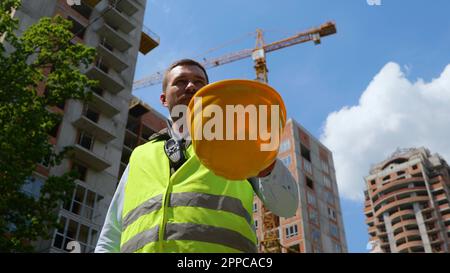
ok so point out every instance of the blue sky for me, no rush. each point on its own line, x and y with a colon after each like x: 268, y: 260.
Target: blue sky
x: 314, y: 81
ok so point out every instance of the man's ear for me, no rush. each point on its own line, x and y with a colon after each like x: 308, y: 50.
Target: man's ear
x: 163, y: 99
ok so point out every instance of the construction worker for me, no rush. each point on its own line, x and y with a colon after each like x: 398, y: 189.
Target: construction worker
x: 167, y: 201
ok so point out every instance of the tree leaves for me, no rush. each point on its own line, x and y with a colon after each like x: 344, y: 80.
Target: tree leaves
x: 43, y: 58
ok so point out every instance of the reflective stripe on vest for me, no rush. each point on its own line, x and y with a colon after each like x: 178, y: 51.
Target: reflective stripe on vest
x: 164, y: 213
x: 189, y: 199
x: 195, y: 232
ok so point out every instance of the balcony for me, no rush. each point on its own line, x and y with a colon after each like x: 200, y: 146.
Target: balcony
x: 407, y: 233
x: 405, y: 223
x: 129, y: 7
x: 107, y: 81
x: 115, y: 18
x: 401, y: 213
x: 93, y: 128
x: 370, y: 220
x: 440, y: 197
x: 444, y: 207
x: 414, y: 244
x: 379, y: 223
x: 91, y: 3
x: 397, y: 184
x: 102, y: 105
x: 396, y: 194
x: 398, y: 203
x: 446, y: 218
x: 90, y: 159
x: 130, y: 140
x: 112, y: 58
x: 149, y: 40
x: 437, y: 187
x: 117, y: 39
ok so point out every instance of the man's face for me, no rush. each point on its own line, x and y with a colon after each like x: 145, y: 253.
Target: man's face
x: 183, y: 82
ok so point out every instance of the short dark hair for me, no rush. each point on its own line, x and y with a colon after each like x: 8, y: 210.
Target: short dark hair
x: 181, y: 62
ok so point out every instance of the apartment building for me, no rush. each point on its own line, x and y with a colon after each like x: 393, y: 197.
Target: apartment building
x: 96, y: 130
x: 407, y: 202
x: 317, y: 225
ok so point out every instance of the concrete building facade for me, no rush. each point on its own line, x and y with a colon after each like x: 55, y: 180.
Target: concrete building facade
x: 96, y: 130
x: 407, y: 203
x: 317, y: 225
x: 143, y: 121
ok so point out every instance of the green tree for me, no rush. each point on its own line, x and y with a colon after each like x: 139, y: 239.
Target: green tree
x: 42, y: 56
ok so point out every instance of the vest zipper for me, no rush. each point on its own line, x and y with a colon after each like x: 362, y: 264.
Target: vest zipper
x: 166, y: 200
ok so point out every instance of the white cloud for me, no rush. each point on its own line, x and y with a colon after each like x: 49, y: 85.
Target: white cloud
x: 392, y: 112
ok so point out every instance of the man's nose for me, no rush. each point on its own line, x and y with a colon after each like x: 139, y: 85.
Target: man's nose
x: 191, y: 87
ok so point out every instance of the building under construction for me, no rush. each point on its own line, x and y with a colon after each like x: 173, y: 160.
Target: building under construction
x: 96, y: 130
x: 317, y: 225
x: 407, y: 203
x: 143, y: 121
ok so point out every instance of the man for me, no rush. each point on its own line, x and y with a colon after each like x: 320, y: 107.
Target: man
x: 167, y: 203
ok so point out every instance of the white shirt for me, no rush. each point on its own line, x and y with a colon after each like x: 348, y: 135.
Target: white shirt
x: 278, y: 191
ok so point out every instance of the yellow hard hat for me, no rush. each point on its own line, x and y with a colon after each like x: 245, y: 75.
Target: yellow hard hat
x: 236, y: 126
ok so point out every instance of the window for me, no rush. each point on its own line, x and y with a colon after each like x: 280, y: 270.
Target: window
x: 327, y: 182
x: 306, y: 154
x: 414, y: 167
x: 32, y: 187
x: 81, y: 171
x: 91, y: 114
x: 334, y: 231
x: 331, y: 213
x: 256, y: 224
x: 337, y: 247
x: 86, y: 140
x: 309, y: 183
x: 71, y: 230
x: 316, y: 249
x: 285, y: 145
x: 386, y: 178
x: 325, y: 166
x: 291, y: 231
x: 315, y: 235
x: 311, y: 198
x: 313, y: 216
x: 255, y: 207
x: 329, y: 197
x: 84, y: 202
x: 286, y: 160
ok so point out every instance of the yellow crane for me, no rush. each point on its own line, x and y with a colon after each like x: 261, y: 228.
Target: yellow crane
x: 258, y: 53
x: 270, y: 241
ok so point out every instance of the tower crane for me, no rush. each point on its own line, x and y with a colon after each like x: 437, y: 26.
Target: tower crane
x: 258, y: 53
x: 270, y: 241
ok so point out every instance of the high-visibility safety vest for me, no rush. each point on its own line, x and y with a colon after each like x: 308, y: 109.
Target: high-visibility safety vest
x: 192, y: 210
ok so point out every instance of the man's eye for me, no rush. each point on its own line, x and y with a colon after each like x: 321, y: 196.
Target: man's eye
x: 199, y: 82
x: 181, y: 82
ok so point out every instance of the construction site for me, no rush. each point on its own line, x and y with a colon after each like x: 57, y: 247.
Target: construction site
x: 105, y: 131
